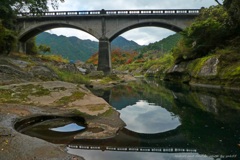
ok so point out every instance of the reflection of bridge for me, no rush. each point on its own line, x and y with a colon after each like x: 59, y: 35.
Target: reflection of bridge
x: 105, y: 25
x: 128, y: 141
x: 135, y: 149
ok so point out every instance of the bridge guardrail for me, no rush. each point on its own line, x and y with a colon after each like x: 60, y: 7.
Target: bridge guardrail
x: 111, y: 12
x: 135, y: 149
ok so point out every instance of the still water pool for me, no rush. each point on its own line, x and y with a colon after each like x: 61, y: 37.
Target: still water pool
x: 145, y: 117
x: 55, y: 129
x: 169, y: 122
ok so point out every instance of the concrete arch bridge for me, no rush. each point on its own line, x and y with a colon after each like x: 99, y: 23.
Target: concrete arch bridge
x: 105, y: 25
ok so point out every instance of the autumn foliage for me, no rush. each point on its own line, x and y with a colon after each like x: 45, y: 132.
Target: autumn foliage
x: 118, y: 56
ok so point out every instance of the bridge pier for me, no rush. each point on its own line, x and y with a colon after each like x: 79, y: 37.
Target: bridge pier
x: 104, y: 56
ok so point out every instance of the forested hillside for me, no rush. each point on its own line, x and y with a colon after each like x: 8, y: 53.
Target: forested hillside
x: 71, y: 48
x: 164, y: 45
x: 136, y: 59
x: 124, y: 44
x: 74, y: 48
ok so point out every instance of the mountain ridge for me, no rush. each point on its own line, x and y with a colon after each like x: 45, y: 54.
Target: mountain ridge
x: 73, y: 48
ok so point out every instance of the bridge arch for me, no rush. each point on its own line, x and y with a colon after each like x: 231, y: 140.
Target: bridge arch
x: 38, y: 28
x: 146, y: 24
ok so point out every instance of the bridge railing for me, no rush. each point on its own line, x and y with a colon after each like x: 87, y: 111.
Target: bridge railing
x: 135, y: 149
x: 111, y: 12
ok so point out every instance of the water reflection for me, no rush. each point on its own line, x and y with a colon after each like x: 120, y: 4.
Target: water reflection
x: 99, y: 155
x: 210, y: 122
x: 144, y: 117
x: 55, y: 129
x: 164, y: 121
x: 68, y: 128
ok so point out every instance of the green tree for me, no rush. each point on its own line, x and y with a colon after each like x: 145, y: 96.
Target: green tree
x: 7, y: 40
x: 233, y: 9
x: 208, y: 31
x: 31, y: 46
x: 9, y: 9
x: 8, y: 14
x: 44, y: 48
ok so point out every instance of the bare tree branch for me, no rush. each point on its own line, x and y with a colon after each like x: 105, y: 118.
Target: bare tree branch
x: 218, y: 2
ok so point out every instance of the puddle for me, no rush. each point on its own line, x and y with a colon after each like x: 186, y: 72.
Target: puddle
x: 68, y: 128
x: 55, y: 129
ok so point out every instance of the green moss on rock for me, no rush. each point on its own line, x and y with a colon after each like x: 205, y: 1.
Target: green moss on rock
x: 19, y: 94
x: 75, y: 96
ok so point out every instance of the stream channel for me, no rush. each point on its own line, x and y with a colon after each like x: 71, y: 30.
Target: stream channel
x: 169, y: 121
x: 164, y: 121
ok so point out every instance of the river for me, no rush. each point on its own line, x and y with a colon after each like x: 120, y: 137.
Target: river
x: 169, y: 122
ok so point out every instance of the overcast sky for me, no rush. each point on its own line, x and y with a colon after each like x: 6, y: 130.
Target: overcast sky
x: 144, y: 35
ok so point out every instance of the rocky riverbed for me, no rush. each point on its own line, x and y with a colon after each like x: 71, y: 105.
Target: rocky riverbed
x: 28, y: 89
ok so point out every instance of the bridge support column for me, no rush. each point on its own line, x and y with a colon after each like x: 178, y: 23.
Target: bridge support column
x: 22, y: 47
x: 104, y: 56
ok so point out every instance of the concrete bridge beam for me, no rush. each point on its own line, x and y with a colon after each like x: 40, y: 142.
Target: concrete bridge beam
x: 104, y: 56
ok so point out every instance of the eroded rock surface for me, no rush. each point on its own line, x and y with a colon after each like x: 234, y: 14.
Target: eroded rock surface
x: 51, y: 98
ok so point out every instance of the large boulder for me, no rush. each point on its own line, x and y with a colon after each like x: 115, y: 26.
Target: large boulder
x: 10, y: 74
x: 200, y: 70
x: 178, y: 73
x: 209, y: 68
x: 12, y: 71
x: 43, y: 73
x: 69, y: 67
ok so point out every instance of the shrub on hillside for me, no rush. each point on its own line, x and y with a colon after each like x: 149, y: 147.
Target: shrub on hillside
x: 7, y: 40
x: 209, y: 31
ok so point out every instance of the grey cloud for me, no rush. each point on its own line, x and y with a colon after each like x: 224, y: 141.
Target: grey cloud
x: 134, y: 4
x: 147, y: 34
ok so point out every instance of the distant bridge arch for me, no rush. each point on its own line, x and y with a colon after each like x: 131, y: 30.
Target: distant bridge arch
x: 105, y: 25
